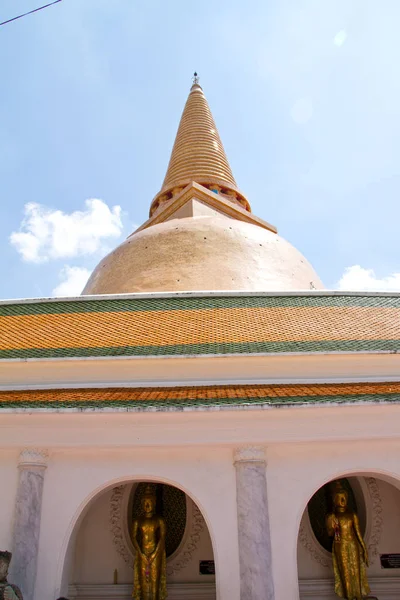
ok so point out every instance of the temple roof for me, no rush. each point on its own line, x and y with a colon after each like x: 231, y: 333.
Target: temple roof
x: 179, y: 398
x: 190, y: 324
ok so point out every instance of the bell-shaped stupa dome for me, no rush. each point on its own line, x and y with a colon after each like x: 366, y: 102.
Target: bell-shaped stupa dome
x: 201, y: 234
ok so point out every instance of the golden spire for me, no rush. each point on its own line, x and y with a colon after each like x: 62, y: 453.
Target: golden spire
x: 198, y: 154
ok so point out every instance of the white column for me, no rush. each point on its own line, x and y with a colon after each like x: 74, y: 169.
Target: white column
x: 28, y: 509
x: 256, y: 581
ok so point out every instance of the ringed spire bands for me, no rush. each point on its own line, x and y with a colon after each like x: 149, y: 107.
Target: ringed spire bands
x: 198, y: 155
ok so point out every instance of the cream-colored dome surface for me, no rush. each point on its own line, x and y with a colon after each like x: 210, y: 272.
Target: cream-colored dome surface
x: 207, y: 253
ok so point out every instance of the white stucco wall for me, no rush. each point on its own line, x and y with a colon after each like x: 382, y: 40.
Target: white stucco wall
x: 94, y: 555
x: 390, y: 541
x: 8, y: 478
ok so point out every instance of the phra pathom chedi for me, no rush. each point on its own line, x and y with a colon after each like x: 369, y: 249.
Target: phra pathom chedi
x: 176, y: 428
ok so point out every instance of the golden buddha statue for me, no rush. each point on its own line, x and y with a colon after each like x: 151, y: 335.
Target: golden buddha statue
x: 7, y: 590
x: 148, y: 536
x: 349, y: 552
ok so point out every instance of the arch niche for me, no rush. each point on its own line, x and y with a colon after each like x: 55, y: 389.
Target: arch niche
x: 100, y: 555
x: 376, y: 499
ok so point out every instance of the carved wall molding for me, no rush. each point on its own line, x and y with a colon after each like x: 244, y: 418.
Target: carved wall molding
x: 373, y: 502
x: 249, y: 454
x: 195, y: 525
x: 33, y: 457
x: 183, y: 555
x: 117, y: 523
x: 376, y: 518
x: 309, y: 542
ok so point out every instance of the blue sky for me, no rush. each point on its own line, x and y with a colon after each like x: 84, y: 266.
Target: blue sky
x: 305, y: 94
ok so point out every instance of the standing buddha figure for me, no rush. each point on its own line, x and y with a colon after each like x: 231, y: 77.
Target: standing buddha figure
x: 349, y: 551
x: 148, y: 536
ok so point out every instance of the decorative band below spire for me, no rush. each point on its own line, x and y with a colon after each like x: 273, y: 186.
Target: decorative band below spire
x: 198, y: 155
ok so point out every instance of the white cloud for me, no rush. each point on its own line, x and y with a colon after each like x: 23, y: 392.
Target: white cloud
x: 73, y: 280
x: 357, y: 278
x: 46, y: 233
x: 340, y: 38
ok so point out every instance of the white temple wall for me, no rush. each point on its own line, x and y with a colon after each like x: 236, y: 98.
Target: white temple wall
x: 294, y: 473
x: 74, y: 477
x: 207, y: 370
x: 9, y: 479
x: 390, y: 540
x: 94, y: 556
x: 98, y: 451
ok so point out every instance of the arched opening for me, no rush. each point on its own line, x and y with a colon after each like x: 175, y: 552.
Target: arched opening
x: 375, y: 499
x: 100, y: 556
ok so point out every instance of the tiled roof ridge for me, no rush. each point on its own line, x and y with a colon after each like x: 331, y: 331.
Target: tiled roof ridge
x: 206, y: 325
x: 273, y: 394
x: 182, y: 302
x: 202, y: 294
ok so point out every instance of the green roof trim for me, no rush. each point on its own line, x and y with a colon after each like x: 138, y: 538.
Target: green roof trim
x: 392, y: 346
x: 194, y: 303
x: 202, y: 403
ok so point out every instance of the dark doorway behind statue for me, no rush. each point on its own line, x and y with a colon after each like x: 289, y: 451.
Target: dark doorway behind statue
x: 171, y: 505
x: 321, y: 504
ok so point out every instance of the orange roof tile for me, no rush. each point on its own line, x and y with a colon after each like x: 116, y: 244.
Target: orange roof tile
x: 201, y: 395
x: 187, y: 325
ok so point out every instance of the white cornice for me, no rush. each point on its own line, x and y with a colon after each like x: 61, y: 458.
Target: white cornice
x: 203, y: 294
x: 199, y: 370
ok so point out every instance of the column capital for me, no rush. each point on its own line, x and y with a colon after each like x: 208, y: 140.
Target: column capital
x: 249, y: 454
x: 33, y: 457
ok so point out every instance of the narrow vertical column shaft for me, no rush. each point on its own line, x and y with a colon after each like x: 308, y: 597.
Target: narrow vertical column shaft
x: 256, y: 582
x: 28, y: 509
